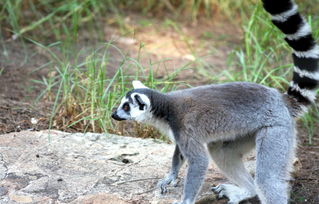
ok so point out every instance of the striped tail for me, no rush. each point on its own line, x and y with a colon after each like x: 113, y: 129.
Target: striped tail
x: 305, y: 55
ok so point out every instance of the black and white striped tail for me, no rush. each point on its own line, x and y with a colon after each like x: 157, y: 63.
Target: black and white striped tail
x: 305, y: 55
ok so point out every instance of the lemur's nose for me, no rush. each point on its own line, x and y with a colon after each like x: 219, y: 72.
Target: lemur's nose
x: 116, y: 117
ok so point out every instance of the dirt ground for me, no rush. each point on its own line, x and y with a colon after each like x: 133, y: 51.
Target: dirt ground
x: 19, y: 107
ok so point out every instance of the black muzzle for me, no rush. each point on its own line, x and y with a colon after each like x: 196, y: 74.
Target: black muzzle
x: 116, y: 117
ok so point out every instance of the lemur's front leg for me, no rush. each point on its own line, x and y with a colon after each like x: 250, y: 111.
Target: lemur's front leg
x: 177, y: 162
x: 197, y: 158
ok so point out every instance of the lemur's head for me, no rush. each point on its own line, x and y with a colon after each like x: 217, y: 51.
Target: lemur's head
x: 136, y: 105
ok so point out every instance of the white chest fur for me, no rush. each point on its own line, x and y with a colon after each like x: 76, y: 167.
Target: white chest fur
x: 163, y: 127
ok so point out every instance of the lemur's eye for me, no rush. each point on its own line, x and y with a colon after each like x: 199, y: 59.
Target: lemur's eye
x: 126, y: 107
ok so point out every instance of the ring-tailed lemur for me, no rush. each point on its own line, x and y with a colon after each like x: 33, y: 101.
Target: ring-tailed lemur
x: 225, y: 121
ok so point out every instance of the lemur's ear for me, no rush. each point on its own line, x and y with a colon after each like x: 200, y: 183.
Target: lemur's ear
x: 138, y: 85
x: 140, y: 102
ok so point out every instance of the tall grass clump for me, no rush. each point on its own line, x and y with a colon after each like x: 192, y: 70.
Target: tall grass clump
x: 264, y: 58
x: 86, y: 92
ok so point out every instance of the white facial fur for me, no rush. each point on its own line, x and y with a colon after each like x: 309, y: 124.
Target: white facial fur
x: 135, y: 113
x: 144, y: 115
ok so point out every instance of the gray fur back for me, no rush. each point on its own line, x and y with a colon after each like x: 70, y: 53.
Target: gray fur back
x: 228, y: 110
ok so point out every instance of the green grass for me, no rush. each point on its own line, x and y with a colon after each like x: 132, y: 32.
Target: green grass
x: 84, y: 92
x: 264, y: 58
x: 61, y: 19
x: 310, y: 122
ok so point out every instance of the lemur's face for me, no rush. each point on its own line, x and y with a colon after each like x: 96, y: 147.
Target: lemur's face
x: 134, y: 106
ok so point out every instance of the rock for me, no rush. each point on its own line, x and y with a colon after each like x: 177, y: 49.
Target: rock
x: 3, y: 191
x: 58, y: 167
x: 93, y: 137
x: 20, y: 198
x: 100, y: 199
x: 3, y: 168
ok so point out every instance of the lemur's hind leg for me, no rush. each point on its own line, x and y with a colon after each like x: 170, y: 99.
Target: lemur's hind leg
x: 275, y: 148
x: 228, y: 157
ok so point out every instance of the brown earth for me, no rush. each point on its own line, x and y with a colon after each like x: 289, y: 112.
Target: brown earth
x: 18, y: 93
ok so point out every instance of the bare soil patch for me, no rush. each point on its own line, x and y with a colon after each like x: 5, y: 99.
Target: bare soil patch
x: 17, y: 91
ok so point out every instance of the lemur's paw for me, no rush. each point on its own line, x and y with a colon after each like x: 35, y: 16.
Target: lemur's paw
x: 163, y: 183
x: 232, y: 192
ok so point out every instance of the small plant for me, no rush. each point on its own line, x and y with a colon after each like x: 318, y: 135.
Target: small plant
x: 85, y: 93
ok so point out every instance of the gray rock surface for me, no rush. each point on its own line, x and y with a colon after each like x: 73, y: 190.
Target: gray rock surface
x: 58, y: 167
